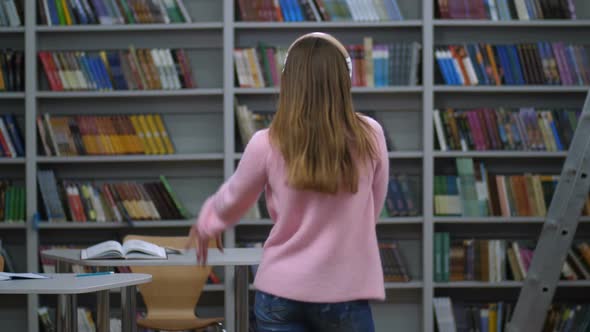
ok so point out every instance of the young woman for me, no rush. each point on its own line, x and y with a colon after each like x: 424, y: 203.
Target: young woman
x: 324, y: 171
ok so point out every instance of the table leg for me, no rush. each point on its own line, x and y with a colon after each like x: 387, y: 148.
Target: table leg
x: 241, y: 285
x: 67, y: 314
x: 128, y: 308
x: 61, y: 267
x: 103, y: 317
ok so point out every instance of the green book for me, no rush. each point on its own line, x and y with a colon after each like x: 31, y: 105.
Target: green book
x: 10, y: 206
x: 60, y: 12
x: 175, y: 199
x: 437, y: 257
x: 23, y: 204
x: 127, y: 11
x: 446, y: 247
x: 265, y: 63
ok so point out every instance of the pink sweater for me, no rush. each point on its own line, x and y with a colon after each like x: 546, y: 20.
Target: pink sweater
x: 322, y: 247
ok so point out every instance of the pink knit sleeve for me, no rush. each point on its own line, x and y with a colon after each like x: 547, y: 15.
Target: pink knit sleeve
x: 381, y: 177
x: 240, y: 191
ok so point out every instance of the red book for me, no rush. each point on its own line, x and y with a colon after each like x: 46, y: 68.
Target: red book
x: 4, y: 144
x: 54, y: 82
x: 186, y: 69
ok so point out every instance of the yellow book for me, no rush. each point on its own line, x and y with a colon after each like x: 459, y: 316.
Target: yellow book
x: 148, y: 135
x: 493, y: 317
x: 155, y: 134
x: 539, y: 198
x: 66, y: 12
x: 134, y: 142
x: 105, y: 136
x: 115, y: 135
x: 2, y: 85
x: 140, y: 134
x: 163, y: 134
x: 254, y: 68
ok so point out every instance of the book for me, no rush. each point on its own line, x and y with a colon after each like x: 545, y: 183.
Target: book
x: 11, y: 70
x: 16, y: 276
x: 541, y: 63
x: 130, y: 249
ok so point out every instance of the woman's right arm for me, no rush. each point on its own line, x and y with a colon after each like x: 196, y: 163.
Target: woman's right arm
x: 381, y: 176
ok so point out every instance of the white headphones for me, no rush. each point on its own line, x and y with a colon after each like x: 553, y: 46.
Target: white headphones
x: 347, y: 59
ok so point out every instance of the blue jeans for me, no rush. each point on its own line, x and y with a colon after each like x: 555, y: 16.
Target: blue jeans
x: 276, y: 314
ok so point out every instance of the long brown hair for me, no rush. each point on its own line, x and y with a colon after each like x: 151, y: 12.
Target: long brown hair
x: 316, y: 128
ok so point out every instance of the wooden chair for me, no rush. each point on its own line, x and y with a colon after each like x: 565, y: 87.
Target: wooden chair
x: 1, y: 263
x: 173, y: 294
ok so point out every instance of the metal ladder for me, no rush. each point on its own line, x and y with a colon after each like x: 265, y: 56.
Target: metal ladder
x: 557, y: 234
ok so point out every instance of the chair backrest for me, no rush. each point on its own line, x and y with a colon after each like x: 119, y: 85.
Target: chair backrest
x: 174, y: 290
x: 1, y: 263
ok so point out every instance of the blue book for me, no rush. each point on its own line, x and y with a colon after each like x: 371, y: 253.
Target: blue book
x: 502, y: 132
x: 484, y: 320
x: 516, y: 66
x: 558, y: 144
x: 285, y: 10
x: 105, y: 73
x: 396, y: 11
x: 116, y: 71
x: 530, y: 8
x: 573, y: 63
x: 378, y: 76
x: 54, y: 17
x: 79, y: 11
x: 15, y: 135
x: 95, y: 72
x: 98, y: 66
x: 500, y: 317
x: 299, y: 17
x: 444, y: 70
x: 506, y: 64
x: 473, y: 59
x: 455, y: 74
x: 389, y: 9
x: 481, y: 66
x: 88, y: 70
x: 85, y: 71
x: 398, y: 198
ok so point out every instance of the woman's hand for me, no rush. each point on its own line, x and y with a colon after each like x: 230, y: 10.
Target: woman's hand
x: 200, y: 241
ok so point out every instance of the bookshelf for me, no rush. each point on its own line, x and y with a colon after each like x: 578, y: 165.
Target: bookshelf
x: 202, y: 125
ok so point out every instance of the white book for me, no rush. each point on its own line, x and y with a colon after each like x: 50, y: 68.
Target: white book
x: 12, y: 13
x: 519, y: 260
x: 443, y: 309
x: 130, y: 249
x: 491, y: 261
x: 365, y: 9
x: 470, y: 70
x: 47, y: 13
x: 456, y: 66
x: 183, y: 11
x: 243, y: 76
x: 100, y: 215
x: 521, y: 10
x: 374, y: 9
x: 439, y: 131
x: 493, y: 10
x: 353, y: 9
x: 253, y: 57
x: 315, y: 11
x: 172, y: 68
x: 164, y: 12
x: 381, y: 10
x: 159, y: 66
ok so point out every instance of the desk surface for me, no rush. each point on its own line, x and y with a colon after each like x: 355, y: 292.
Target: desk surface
x: 230, y: 257
x: 68, y: 283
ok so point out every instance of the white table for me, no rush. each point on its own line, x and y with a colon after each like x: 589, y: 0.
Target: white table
x: 239, y: 258
x: 67, y: 286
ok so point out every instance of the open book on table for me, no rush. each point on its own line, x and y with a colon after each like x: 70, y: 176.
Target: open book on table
x: 130, y: 249
x: 13, y: 276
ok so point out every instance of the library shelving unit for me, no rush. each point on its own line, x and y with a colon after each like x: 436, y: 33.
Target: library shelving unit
x: 202, y: 126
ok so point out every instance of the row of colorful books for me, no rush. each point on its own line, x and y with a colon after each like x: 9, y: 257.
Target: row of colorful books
x: 109, y: 12
x: 87, y: 201
x: 134, y: 69
x: 11, y: 13
x: 12, y: 144
x: 12, y: 70
x: 475, y: 193
x: 542, y: 63
x: 373, y: 65
x: 505, y: 129
x: 506, y: 10
x: 456, y: 315
x: 496, y: 260
x: 104, y: 135
x: 319, y: 10
x: 12, y: 202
